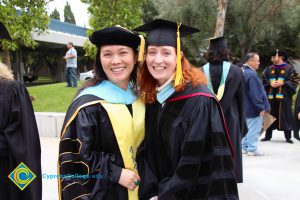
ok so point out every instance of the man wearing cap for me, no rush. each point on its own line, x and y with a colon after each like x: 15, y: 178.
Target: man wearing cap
x: 280, y: 88
x: 71, y: 64
x: 225, y: 80
x: 19, y: 139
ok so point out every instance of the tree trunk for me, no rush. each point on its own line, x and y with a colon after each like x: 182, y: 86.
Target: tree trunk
x: 222, y: 6
x: 6, y: 58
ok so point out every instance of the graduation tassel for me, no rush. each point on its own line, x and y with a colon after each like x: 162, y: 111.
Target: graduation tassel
x: 277, y: 56
x: 178, y: 75
x: 142, y: 45
x: 142, y: 49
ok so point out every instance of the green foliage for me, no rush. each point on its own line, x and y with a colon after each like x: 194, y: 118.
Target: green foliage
x: 197, y: 13
x: 55, y: 14
x: 250, y: 25
x: 68, y: 14
x: 149, y: 11
x: 106, y: 13
x: 263, y: 26
x: 90, y: 49
x: 22, y: 17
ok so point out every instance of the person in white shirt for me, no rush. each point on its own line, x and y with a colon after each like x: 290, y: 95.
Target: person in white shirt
x: 71, y: 65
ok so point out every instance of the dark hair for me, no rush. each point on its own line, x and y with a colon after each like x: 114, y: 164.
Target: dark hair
x: 99, y: 74
x: 249, y: 55
x: 71, y: 43
x: 218, y: 55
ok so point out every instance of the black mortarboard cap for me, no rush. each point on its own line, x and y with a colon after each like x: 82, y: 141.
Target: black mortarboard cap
x: 280, y: 53
x: 162, y: 32
x: 217, y: 43
x: 115, y: 35
x: 3, y: 32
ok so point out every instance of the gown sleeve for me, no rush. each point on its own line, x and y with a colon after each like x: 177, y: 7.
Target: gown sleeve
x: 289, y: 84
x: 205, y: 168
x: 235, y: 92
x: 21, y: 136
x: 145, y: 157
x: 3, y: 146
x: 89, y: 124
x: 297, y: 105
x: 240, y: 96
x: 265, y: 78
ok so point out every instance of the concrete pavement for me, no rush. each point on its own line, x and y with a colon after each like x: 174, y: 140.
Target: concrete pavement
x: 275, y: 176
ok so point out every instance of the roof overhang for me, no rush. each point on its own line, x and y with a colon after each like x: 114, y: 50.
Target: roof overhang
x: 59, y: 38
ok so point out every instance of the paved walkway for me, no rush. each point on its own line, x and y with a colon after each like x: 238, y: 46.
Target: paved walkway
x: 275, y: 176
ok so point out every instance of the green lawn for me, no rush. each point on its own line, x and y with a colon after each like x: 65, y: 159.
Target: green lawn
x: 56, y: 97
x: 52, y: 97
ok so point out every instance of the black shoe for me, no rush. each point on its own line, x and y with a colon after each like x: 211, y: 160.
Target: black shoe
x: 265, y: 139
x: 290, y: 141
x: 68, y: 86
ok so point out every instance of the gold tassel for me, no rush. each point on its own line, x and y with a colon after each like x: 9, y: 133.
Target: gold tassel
x: 178, y: 75
x: 142, y: 49
x: 277, y: 56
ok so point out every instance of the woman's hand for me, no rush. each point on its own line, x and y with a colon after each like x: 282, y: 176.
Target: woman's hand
x: 129, y: 179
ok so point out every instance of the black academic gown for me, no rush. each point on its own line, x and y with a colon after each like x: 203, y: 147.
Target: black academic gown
x: 91, y: 134
x: 186, y: 153
x: 19, y: 141
x: 281, y: 109
x: 297, y: 121
x: 232, y: 104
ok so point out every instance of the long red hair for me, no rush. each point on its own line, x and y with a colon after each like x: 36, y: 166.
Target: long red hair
x: 148, y: 84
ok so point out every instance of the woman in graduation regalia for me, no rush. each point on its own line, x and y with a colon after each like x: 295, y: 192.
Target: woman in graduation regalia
x: 104, y: 125
x: 226, y: 81
x: 186, y: 152
x: 19, y: 138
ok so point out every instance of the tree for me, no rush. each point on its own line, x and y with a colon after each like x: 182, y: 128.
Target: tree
x: 246, y: 21
x: 22, y: 18
x: 263, y: 26
x: 149, y: 11
x: 55, y: 14
x: 68, y: 14
x: 196, y: 13
x: 250, y: 25
x: 106, y: 13
x: 222, y: 6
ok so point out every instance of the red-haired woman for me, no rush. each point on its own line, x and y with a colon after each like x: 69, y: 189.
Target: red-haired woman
x: 186, y: 153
